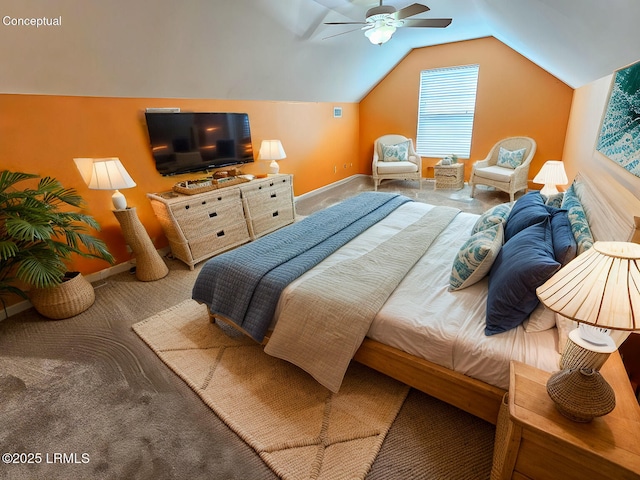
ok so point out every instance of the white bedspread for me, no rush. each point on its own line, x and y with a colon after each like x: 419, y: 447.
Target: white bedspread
x: 424, y: 319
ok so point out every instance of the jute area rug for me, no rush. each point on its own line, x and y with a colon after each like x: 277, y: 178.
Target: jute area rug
x: 299, y: 428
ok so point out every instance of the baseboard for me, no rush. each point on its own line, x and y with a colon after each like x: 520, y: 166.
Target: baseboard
x: 330, y: 186
x: 92, y: 278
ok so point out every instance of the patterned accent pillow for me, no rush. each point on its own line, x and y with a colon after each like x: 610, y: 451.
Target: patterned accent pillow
x: 578, y: 220
x: 554, y: 200
x: 491, y: 217
x: 396, y: 153
x: 510, y: 159
x: 475, y: 257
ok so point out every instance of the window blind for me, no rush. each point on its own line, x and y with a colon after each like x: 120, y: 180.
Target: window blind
x: 445, y: 111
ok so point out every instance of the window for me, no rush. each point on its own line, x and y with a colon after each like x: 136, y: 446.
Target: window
x: 445, y: 111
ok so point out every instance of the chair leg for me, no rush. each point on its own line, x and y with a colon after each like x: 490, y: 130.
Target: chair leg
x: 473, y: 189
x: 511, y: 197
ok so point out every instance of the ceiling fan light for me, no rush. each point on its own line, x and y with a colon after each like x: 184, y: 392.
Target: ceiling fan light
x: 380, y: 35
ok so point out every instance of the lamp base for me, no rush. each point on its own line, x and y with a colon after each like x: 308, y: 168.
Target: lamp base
x: 274, y: 168
x: 119, y: 200
x: 581, y: 394
x: 549, y: 190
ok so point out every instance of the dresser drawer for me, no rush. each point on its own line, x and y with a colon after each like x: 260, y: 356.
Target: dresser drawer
x: 271, y: 220
x: 224, y: 238
x: 209, y: 217
x: 260, y: 202
x: 267, y: 185
x: 204, y: 202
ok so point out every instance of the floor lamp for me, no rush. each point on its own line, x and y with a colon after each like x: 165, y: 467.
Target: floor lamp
x: 110, y: 174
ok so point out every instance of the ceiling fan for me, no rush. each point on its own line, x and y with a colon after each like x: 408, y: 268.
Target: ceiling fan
x: 382, y: 21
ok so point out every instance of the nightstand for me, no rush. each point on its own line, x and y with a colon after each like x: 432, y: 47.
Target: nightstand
x: 533, y: 440
x: 449, y: 176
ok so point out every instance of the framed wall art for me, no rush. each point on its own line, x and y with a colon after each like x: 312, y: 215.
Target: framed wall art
x: 619, y: 137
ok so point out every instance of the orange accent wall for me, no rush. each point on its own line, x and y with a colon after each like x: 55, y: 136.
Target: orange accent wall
x: 515, y: 97
x: 42, y: 134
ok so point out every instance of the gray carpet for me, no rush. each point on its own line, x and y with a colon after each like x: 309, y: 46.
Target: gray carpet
x: 95, y: 402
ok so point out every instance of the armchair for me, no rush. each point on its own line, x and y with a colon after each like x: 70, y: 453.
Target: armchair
x: 409, y: 169
x: 505, y: 178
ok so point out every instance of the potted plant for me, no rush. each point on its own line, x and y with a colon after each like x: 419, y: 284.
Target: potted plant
x: 39, y: 233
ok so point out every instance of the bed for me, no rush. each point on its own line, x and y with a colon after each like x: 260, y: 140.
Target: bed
x: 416, y: 328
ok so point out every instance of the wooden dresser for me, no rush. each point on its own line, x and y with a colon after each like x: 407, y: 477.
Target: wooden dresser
x: 534, y: 441
x: 203, y: 225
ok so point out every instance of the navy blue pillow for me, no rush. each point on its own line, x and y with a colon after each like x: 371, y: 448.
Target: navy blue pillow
x: 565, y: 247
x: 528, y: 210
x: 523, y: 264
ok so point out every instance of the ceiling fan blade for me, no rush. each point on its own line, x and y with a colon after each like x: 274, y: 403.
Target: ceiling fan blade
x: 345, y: 23
x: 410, y: 11
x: 341, y: 33
x: 428, y: 22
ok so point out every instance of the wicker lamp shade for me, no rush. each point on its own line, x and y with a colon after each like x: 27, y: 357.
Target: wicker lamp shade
x: 581, y: 394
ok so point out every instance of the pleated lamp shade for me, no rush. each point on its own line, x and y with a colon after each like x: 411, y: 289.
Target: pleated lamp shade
x: 600, y: 287
x: 551, y: 174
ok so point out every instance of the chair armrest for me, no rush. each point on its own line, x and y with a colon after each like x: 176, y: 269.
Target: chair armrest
x: 481, y: 163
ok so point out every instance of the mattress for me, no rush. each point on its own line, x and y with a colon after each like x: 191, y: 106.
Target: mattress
x: 423, y: 318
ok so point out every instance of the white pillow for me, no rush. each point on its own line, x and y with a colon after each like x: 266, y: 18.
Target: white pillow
x: 398, y: 152
x: 475, y: 257
x: 564, y: 325
x: 541, y: 319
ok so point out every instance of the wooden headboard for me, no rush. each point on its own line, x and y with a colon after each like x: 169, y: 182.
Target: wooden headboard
x: 613, y: 212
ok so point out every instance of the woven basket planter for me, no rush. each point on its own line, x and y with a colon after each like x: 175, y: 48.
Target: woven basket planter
x: 71, y: 297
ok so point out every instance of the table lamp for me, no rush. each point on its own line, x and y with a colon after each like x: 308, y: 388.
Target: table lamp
x: 551, y: 174
x: 110, y: 174
x: 272, y: 150
x: 106, y: 174
x: 600, y: 289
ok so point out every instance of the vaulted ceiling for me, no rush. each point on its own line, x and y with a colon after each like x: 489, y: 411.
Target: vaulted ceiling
x: 279, y: 50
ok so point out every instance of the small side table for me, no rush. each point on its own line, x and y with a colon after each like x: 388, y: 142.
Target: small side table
x: 449, y: 176
x: 149, y: 263
x: 533, y: 440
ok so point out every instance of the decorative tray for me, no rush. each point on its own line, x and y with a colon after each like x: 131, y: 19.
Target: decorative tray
x: 201, y: 185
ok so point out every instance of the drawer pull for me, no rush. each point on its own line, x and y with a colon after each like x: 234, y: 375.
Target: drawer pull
x: 186, y: 207
x: 204, y: 202
x: 273, y: 195
x: 275, y: 214
x: 219, y: 198
x: 213, y: 214
x: 271, y: 184
x: 220, y: 233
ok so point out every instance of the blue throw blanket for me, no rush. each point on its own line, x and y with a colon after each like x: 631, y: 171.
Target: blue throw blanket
x: 244, y: 285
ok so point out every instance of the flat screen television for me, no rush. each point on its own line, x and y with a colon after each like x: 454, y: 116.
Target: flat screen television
x: 198, y: 141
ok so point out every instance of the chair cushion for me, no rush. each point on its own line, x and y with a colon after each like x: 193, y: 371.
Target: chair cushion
x: 475, y: 257
x: 398, y: 152
x: 397, y: 167
x: 510, y: 158
x: 524, y: 263
x: 494, y: 172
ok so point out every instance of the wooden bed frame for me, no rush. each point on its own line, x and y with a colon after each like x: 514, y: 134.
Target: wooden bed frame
x: 612, y: 220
